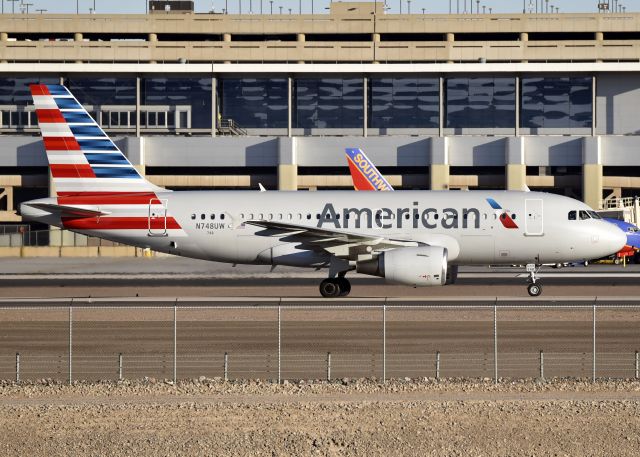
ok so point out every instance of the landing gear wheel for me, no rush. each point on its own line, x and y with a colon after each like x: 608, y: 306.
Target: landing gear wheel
x: 345, y: 286
x: 535, y: 290
x: 330, y: 288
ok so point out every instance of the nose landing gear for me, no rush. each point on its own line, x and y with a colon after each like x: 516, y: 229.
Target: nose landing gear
x: 534, y: 288
x: 335, y: 287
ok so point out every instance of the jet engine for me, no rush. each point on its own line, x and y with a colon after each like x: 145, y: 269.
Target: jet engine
x: 415, y: 266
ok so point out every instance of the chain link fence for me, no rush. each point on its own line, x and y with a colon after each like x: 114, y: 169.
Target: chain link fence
x: 319, y: 342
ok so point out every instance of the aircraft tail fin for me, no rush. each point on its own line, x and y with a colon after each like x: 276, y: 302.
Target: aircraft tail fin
x: 364, y: 173
x: 82, y: 158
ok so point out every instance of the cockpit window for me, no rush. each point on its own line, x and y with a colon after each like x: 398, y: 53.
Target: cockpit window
x: 594, y: 215
x: 572, y: 215
x: 584, y: 215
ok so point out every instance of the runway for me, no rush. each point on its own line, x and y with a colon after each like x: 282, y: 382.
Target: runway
x: 175, y: 277
x: 130, y: 318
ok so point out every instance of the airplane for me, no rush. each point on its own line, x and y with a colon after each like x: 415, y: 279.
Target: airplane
x: 406, y: 237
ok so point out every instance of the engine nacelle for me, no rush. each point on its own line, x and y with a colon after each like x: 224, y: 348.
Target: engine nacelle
x: 419, y: 267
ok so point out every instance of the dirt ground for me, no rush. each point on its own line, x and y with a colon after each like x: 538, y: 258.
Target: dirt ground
x: 207, y: 417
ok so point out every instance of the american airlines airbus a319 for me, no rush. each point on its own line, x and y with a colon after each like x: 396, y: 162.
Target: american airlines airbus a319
x: 416, y: 238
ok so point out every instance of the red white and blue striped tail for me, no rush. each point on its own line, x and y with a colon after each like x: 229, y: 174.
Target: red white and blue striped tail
x: 82, y: 158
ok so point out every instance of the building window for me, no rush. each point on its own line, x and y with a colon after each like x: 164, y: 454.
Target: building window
x: 255, y: 103
x: 556, y: 103
x: 481, y: 102
x: 404, y: 103
x: 328, y: 103
x: 16, y: 105
x: 176, y: 103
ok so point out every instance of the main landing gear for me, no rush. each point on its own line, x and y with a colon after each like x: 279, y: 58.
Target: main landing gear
x: 534, y: 288
x: 335, y: 287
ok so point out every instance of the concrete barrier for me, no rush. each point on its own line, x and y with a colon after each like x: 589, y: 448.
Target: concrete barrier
x: 40, y: 251
x: 117, y: 251
x: 9, y: 252
x: 79, y: 251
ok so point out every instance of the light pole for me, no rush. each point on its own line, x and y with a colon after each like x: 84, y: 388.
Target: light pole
x: 13, y: 6
x: 41, y: 10
x: 408, y: 6
x: 77, y: 6
x: 400, y: 2
x: 239, y: 6
x: 280, y: 9
x: 312, y: 11
x: 300, y: 7
x: 271, y: 1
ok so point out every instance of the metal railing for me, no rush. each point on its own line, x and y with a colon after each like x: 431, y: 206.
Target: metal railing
x: 319, y: 342
x: 228, y: 126
x: 52, y: 238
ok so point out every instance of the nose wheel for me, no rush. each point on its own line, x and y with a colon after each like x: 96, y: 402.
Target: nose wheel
x: 534, y: 288
x: 335, y: 287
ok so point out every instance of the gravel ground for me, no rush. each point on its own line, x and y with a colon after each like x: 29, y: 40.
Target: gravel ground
x: 348, y: 417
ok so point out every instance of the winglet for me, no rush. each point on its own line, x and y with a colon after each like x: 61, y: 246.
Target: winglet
x: 262, y: 189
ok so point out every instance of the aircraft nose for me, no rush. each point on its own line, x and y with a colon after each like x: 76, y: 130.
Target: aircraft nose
x: 613, y: 239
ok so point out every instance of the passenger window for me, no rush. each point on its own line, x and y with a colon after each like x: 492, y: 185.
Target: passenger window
x: 308, y: 216
x: 572, y: 215
x: 203, y: 216
x: 222, y: 217
x: 213, y: 217
x: 193, y: 216
x: 513, y: 216
x: 584, y: 215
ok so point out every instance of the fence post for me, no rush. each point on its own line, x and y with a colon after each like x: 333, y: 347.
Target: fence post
x: 18, y: 366
x: 279, y: 343
x: 329, y: 366
x: 541, y: 364
x: 438, y: 365
x: 175, y: 341
x: 637, y: 365
x: 495, y: 343
x: 120, y: 366
x: 226, y: 367
x: 71, y: 341
x: 594, y: 344
x: 384, y: 342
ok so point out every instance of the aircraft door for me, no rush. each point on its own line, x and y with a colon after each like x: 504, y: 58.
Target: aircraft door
x: 157, y: 217
x: 534, y: 221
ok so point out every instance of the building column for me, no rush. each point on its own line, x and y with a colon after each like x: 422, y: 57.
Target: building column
x: 450, y: 37
x: 301, y: 38
x: 77, y: 37
x: 598, y: 36
x: 287, y: 164
x: 594, y: 105
x: 517, y: 126
x: 441, y: 108
x: 289, y: 106
x: 152, y: 38
x: 365, y: 107
x: 524, y: 37
x: 214, y: 106
x: 592, y: 171
x: 516, y: 170
x: 439, y: 172
x: 138, y: 106
x: 4, y: 36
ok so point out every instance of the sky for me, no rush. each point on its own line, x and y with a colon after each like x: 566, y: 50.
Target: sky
x: 430, y: 6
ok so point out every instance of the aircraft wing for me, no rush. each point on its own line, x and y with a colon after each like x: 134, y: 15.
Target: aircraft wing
x: 337, y: 242
x: 68, y: 211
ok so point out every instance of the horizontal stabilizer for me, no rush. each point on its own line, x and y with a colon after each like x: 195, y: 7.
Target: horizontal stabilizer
x: 68, y: 211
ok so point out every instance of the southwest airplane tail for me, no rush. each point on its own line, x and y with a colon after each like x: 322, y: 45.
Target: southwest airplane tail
x: 364, y: 173
x: 415, y: 238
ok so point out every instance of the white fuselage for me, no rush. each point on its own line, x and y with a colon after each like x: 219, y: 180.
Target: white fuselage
x: 212, y: 225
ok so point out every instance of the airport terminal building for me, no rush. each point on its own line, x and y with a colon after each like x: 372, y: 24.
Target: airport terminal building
x: 469, y: 101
